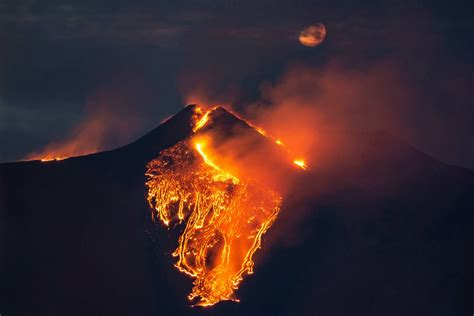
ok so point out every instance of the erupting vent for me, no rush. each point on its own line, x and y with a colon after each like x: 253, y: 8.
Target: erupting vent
x: 225, y: 216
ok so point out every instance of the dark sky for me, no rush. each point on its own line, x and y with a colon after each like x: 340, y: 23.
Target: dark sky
x: 129, y: 64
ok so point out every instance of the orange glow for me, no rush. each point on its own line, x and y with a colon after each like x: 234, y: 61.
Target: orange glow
x: 313, y: 35
x: 47, y: 159
x: 107, y: 121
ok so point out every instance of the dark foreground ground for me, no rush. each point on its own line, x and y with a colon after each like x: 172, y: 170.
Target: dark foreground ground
x: 390, y: 233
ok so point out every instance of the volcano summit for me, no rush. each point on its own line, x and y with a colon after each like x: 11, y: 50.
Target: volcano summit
x: 227, y: 213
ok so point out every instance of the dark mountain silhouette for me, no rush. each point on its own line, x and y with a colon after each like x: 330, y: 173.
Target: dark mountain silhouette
x: 385, y: 230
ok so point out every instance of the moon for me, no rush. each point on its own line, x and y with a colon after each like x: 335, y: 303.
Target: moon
x: 313, y: 35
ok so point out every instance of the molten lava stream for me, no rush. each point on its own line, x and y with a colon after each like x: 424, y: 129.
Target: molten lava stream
x: 225, y: 218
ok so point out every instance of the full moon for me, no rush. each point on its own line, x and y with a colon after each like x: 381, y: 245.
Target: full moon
x: 313, y: 35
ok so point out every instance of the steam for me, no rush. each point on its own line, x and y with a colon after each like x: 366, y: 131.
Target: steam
x: 112, y: 116
x: 306, y: 106
x: 309, y: 109
x: 204, y: 88
x: 354, y: 127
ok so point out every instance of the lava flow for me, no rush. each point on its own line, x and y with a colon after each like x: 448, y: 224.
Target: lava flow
x: 46, y: 159
x: 226, y: 216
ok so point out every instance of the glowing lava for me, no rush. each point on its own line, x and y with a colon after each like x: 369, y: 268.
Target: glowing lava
x: 225, y: 216
x: 300, y: 163
x: 202, y: 121
x: 47, y: 159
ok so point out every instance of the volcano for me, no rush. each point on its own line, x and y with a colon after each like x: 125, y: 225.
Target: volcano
x: 385, y: 230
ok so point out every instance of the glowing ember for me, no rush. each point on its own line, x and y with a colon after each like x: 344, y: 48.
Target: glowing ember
x: 261, y: 131
x: 300, y: 163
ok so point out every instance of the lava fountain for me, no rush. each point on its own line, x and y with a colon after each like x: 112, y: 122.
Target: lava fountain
x: 225, y: 215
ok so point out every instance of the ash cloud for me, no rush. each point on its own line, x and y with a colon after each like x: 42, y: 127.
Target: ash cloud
x: 397, y: 71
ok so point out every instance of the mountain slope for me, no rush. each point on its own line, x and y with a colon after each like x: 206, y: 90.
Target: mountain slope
x: 384, y: 230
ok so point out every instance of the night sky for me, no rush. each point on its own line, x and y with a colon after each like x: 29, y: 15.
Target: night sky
x: 130, y: 64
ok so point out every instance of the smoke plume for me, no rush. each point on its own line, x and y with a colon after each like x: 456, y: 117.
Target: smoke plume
x: 113, y: 114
